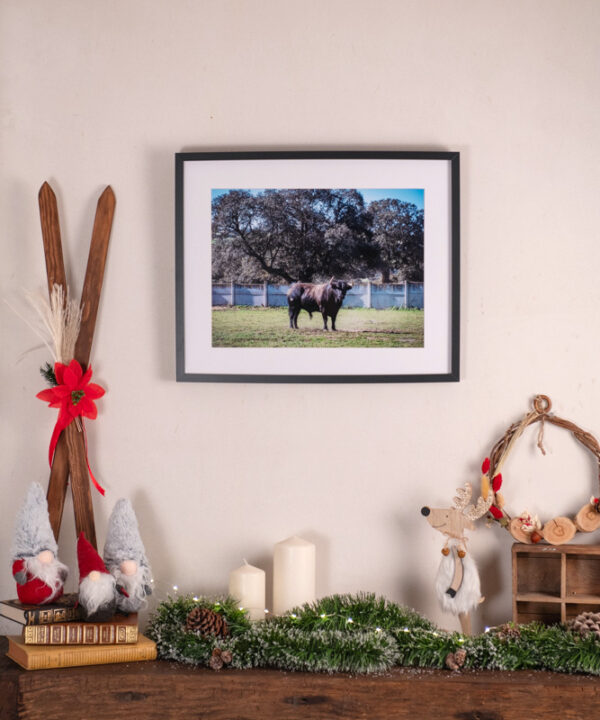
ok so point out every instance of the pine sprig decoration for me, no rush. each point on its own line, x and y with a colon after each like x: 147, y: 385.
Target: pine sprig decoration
x: 174, y: 642
x: 276, y: 645
x: 363, y: 610
x: 420, y: 647
x: 47, y: 372
x: 381, y: 635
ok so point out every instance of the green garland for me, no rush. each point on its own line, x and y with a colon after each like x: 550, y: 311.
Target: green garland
x: 364, y: 634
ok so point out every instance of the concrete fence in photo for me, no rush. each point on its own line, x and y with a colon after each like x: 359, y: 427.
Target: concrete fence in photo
x: 362, y: 295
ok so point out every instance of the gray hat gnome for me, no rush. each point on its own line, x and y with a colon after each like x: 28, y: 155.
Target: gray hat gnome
x: 125, y: 558
x: 39, y: 574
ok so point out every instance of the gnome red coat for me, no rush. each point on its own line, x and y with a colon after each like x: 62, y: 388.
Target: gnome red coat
x: 39, y: 574
x: 30, y: 589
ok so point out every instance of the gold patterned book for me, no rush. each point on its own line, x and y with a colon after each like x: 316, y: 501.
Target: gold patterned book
x: 40, y: 657
x: 62, y: 610
x: 121, y: 629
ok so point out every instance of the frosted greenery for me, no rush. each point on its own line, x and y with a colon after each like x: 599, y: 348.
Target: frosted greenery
x: 364, y: 634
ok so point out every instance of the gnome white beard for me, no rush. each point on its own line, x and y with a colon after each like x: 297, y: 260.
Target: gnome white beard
x: 135, y: 587
x: 94, y: 594
x: 52, y: 574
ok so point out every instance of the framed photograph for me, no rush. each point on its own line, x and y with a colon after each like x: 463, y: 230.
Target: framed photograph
x: 317, y: 266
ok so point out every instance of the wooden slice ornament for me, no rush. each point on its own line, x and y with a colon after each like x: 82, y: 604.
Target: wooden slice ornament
x: 527, y: 528
x: 588, y: 518
x: 515, y: 528
x: 559, y: 530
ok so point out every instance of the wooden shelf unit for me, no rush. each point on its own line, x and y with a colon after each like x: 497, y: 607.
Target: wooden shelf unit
x: 554, y: 583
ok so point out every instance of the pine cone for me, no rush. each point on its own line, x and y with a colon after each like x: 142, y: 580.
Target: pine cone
x: 216, y: 661
x: 205, y: 621
x: 508, y: 631
x: 586, y: 623
x: 460, y: 656
x: 219, y: 658
x: 226, y: 656
x: 455, y: 660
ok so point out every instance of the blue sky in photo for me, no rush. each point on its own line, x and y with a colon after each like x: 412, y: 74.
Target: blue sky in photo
x: 411, y: 195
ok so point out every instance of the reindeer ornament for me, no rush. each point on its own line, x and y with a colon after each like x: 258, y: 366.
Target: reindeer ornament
x: 457, y: 583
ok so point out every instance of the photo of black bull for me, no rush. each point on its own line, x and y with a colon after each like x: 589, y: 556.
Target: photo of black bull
x: 326, y: 298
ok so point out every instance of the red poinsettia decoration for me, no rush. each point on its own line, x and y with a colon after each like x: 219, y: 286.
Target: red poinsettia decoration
x: 73, y: 395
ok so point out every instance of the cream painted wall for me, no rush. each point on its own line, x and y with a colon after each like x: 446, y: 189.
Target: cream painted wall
x: 106, y: 92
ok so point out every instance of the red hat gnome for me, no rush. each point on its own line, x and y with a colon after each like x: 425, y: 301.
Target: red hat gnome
x: 39, y: 574
x: 97, y: 595
x: 125, y: 557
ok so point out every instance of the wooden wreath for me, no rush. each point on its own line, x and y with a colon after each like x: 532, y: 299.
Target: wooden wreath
x: 527, y: 528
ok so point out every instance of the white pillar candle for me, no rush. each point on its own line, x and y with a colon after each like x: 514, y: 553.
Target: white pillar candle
x: 293, y: 574
x: 247, y: 585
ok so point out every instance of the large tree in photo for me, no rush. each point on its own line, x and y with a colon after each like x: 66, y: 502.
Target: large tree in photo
x: 307, y: 235
x: 289, y: 235
x: 398, y: 234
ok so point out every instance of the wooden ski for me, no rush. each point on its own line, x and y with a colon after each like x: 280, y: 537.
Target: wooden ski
x: 94, y: 275
x: 70, y: 456
x: 90, y: 299
x: 55, y: 271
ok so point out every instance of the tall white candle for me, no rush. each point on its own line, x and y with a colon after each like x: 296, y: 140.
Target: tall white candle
x: 294, y: 564
x: 247, y: 585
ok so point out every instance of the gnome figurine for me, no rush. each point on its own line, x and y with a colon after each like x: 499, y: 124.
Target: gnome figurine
x: 125, y: 557
x: 97, y: 593
x: 39, y: 574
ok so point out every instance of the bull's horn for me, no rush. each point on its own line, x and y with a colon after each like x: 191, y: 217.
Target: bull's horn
x: 331, y: 279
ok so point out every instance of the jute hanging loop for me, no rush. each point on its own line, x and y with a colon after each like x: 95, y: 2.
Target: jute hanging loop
x: 542, y: 404
x: 527, y: 528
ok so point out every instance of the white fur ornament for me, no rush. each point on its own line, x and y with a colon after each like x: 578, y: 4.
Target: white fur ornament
x: 468, y: 595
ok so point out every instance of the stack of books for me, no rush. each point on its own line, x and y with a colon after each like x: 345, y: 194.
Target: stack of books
x: 55, y: 635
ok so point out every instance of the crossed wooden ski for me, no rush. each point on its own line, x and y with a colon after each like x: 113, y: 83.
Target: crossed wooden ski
x: 70, y: 457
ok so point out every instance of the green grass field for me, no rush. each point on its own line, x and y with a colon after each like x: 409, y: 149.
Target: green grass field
x: 356, y: 327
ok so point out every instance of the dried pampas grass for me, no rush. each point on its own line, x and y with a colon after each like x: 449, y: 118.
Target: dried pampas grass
x: 59, y: 320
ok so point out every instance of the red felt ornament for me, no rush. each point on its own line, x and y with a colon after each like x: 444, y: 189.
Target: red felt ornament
x: 497, y: 482
x: 496, y: 512
x: 485, y: 466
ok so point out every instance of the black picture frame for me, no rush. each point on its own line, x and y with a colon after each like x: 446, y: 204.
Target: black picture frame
x: 191, y: 164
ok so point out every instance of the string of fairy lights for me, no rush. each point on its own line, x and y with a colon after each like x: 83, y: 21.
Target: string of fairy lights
x: 348, y: 620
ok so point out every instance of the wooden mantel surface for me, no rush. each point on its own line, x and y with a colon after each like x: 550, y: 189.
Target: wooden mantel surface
x: 164, y: 689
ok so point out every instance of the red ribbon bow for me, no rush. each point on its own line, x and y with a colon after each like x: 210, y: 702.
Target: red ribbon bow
x: 74, y: 395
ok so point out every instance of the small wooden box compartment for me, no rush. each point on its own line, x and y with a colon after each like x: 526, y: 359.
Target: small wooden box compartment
x: 583, y: 575
x: 554, y: 583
